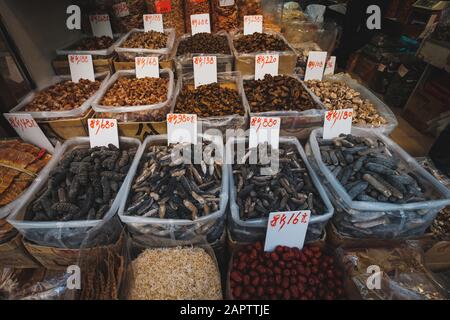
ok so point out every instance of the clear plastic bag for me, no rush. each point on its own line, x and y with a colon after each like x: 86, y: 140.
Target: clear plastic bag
x: 405, y: 220
x: 67, y: 234
x: 132, y: 113
x: 192, y: 7
x: 128, y: 54
x: 255, y: 229
x: 74, y: 113
x: 130, y: 17
x: 224, y: 16
x: 172, y: 12
x: 152, y: 230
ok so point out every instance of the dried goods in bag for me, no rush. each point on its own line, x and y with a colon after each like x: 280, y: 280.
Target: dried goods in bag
x: 127, y: 14
x: 172, y: 13
x: 195, y: 7
x: 224, y: 15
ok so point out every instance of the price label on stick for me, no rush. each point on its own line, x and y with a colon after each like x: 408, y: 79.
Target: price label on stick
x: 121, y: 10
x: 226, y: 3
x: 28, y: 129
x: 331, y: 65
x: 181, y: 128
x: 264, y: 129
x: 200, y: 23
x: 81, y: 67
x: 205, y: 70
x: 102, y: 132
x: 315, y: 65
x: 286, y: 229
x: 101, y: 25
x: 337, y: 122
x: 153, y: 22
x: 266, y: 64
x: 147, y: 67
x: 253, y: 24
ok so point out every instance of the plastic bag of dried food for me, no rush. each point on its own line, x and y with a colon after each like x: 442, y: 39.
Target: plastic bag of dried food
x: 172, y: 12
x: 127, y: 14
x: 192, y: 7
x: 225, y: 15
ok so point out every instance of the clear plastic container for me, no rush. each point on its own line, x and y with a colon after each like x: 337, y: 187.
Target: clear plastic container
x: 405, y: 220
x: 74, y: 113
x: 151, y: 230
x: 67, y: 234
x: 134, y: 113
x: 255, y: 229
x: 227, y: 79
x: 245, y: 62
x: 103, y: 53
x: 128, y: 54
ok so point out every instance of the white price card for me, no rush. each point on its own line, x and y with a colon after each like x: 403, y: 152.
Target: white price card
x: 315, y: 65
x: 101, y: 25
x: 181, y: 128
x: 121, y: 10
x: 147, y: 67
x: 331, y: 65
x: 200, y: 23
x: 102, y: 132
x: 286, y: 229
x: 266, y: 64
x: 337, y: 122
x: 205, y: 70
x: 153, y: 22
x: 226, y: 3
x: 264, y: 129
x: 81, y: 67
x: 163, y: 6
x: 402, y: 71
x: 253, y: 24
x: 381, y: 67
x: 28, y: 129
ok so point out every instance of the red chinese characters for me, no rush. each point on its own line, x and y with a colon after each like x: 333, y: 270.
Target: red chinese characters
x: 203, y: 60
x: 177, y: 119
x: 283, y: 219
x: 336, y: 115
x: 264, y: 122
x: 100, y: 124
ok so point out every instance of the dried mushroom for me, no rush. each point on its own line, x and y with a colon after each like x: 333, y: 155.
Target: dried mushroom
x: 93, y: 44
x: 146, y: 40
x: 204, y: 43
x: 258, y: 42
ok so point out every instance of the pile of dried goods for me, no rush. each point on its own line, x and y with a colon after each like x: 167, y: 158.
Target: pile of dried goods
x: 175, y: 274
x: 146, y: 40
x: 195, y: 7
x: 204, y: 43
x: 83, y: 186
x: 66, y: 95
x: 130, y: 15
x: 172, y: 13
x: 277, y: 93
x: 249, y: 8
x: 337, y: 95
x: 441, y: 225
x: 286, y: 273
x: 93, y: 44
x: 258, y: 42
x: 225, y: 15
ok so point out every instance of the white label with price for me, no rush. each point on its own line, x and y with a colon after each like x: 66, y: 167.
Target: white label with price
x: 337, y: 122
x: 315, y: 65
x: 264, y: 129
x: 81, y: 67
x: 253, y: 24
x: 181, y: 128
x: 226, y: 3
x: 121, y: 10
x: 331, y: 65
x: 200, y: 23
x: 153, y: 22
x: 205, y: 70
x: 266, y: 64
x: 147, y: 67
x: 101, y: 25
x: 102, y: 132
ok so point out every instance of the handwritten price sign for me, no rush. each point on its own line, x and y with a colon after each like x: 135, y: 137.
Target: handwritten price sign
x: 102, y: 132
x: 147, y: 67
x: 27, y: 128
x: 121, y: 10
x: 200, y: 23
x: 226, y: 3
x: 253, y: 24
x: 81, y: 67
x: 153, y: 22
x: 205, y: 70
x: 264, y: 129
x: 287, y: 229
x: 181, y: 128
x: 337, y: 122
x: 266, y: 64
x: 331, y: 65
x: 101, y: 25
x: 315, y: 65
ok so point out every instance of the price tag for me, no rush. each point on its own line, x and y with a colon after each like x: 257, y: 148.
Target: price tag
x: 101, y: 25
x: 205, y: 70
x: 381, y: 67
x: 163, y: 6
x: 402, y: 71
x: 153, y: 22
x: 253, y: 24
x: 266, y: 64
x: 264, y: 129
x: 331, y: 65
x: 103, y: 132
x: 181, y: 128
x: 337, y: 122
x: 226, y: 3
x: 147, y: 67
x: 315, y: 65
x: 28, y: 129
x: 121, y: 10
x: 81, y: 67
x: 286, y: 229
x: 200, y: 23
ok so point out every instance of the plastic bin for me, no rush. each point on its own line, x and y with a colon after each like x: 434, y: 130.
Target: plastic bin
x: 96, y: 54
x: 405, y: 220
x: 67, y: 234
x: 255, y: 229
x: 149, y: 230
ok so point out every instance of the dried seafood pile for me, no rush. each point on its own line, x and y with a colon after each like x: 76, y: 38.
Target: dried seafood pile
x: 204, y: 43
x: 258, y: 42
x: 146, y: 40
x: 93, y: 44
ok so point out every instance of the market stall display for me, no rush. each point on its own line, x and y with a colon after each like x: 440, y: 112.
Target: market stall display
x: 172, y: 13
x: 128, y: 14
x: 224, y: 15
x: 192, y: 7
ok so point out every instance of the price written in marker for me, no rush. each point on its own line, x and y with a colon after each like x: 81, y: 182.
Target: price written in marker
x: 81, y: 67
x: 200, y: 23
x: 266, y: 64
x: 103, y: 132
x: 337, y: 122
x: 286, y: 229
x: 121, y: 10
x: 147, y: 67
x: 264, y: 129
x: 163, y: 6
x: 153, y: 22
x: 101, y: 25
x: 205, y: 70
x: 315, y: 65
x: 28, y: 129
x: 226, y: 3
x: 253, y: 24
x: 181, y: 128
x: 331, y: 65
